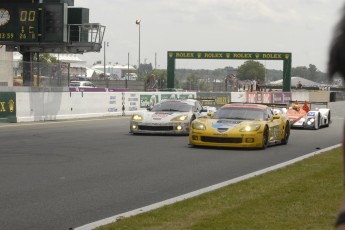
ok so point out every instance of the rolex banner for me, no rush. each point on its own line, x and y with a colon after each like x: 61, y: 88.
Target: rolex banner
x: 8, y: 107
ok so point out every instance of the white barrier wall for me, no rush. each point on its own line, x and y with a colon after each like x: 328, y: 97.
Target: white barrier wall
x: 40, y: 106
x: 134, y: 101
x: 300, y: 96
x: 319, y: 96
x: 311, y: 96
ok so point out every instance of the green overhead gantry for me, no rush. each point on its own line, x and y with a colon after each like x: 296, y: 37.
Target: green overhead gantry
x: 285, y: 57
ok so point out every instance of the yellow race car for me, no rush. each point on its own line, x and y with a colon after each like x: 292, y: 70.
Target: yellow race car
x: 241, y: 125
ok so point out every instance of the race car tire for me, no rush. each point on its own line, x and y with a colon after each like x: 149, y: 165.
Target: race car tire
x: 317, y: 124
x: 329, y: 119
x: 285, y: 140
x: 265, y: 137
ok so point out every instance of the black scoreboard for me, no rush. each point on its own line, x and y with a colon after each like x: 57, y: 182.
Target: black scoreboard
x: 48, y: 26
x: 19, y: 20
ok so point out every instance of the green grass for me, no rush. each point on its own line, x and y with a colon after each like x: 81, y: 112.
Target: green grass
x: 305, y: 195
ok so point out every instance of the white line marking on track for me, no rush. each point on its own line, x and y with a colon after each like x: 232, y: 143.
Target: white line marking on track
x: 113, y: 219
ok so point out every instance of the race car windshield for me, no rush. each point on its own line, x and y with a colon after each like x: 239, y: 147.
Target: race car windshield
x: 239, y: 114
x: 172, y: 106
x: 74, y: 84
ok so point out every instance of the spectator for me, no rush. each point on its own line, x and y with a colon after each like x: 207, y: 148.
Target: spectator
x: 299, y: 85
x: 336, y: 65
x: 258, y: 86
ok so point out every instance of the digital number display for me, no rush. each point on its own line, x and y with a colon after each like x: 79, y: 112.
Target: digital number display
x: 28, y: 30
x: 27, y: 16
x: 19, y: 22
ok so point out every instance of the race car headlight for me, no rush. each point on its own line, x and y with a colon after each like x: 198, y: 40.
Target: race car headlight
x: 311, y: 121
x: 250, y: 128
x: 180, y: 118
x: 137, y: 117
x: 198, y: 126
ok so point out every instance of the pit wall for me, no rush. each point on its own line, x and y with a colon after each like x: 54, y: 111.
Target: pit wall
x: 48, y: 106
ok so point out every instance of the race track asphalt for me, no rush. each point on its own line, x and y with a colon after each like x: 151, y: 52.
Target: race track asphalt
x: 60, y: 175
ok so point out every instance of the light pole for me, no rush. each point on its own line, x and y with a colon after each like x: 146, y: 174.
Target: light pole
x: 138, y: 21
x: 105, y: 44
x: 127, y: 77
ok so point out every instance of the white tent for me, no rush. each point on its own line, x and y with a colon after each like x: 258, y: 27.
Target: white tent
x: 73, y: 59
x: 295, y: 80
x: 91, y: 72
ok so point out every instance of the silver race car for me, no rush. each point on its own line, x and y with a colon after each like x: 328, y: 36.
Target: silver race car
x: 167, y: 117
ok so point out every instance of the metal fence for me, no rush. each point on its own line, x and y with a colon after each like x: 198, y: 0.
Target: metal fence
x: 55, y: 75
x: 40, y: 74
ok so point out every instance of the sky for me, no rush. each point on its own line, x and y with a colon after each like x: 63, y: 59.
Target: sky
x: 302, y: 27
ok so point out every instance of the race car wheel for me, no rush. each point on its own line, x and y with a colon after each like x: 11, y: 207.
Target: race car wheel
x: 317, y: 124
x: 285, y: 140
x: 265, y: 137
x: 329, y: 119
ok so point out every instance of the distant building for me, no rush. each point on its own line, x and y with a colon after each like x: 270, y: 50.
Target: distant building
x: 117, y: 72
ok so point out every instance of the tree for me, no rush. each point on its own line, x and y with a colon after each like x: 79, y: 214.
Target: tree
x: 192, y: 82
x: 196, y: 83
x: 162, y: 77
x: 48, y: 66
x: 273, y: 75
x: 145, y: 70
x: 43, y: 58
x: 202, y: 85
x: 300, y: 71
x: 47, y: 58
x: 312, y: 72
x: 251, y: 70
